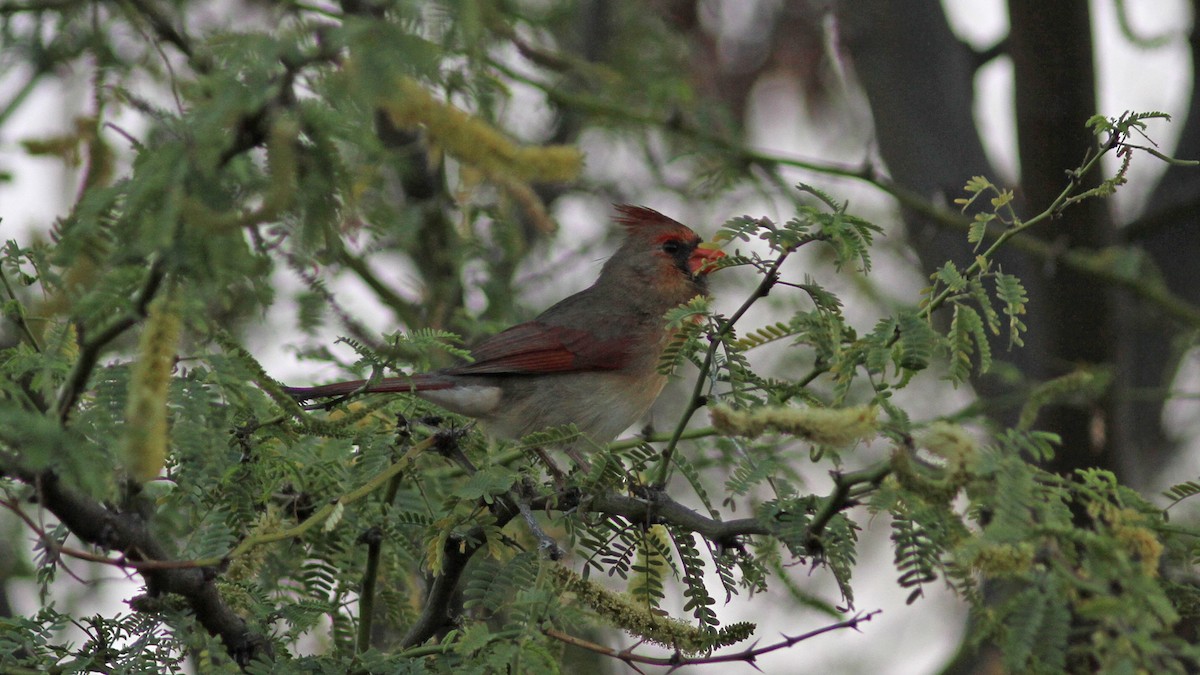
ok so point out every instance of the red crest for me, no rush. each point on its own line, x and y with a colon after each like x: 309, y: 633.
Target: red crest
x: 632, y: 218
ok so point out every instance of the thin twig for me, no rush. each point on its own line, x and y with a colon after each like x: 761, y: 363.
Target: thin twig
x: 977, y: 266
x: 22, y: 94
x: 512, y: 500
x: 18, y: 313
x: 162, y: 27
x: 322, y: 514
x: 677, y: 660
x: 90, y: 347
x: 842, y: 497
x: 697, y: 399
x: 122, y: 562
x: 101, y: 525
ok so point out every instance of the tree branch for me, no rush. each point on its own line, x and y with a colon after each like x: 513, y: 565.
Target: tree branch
x: 162, y: 27
x: 90, y: 348
x: 841, y: 498
x: 10, y: 8
x: 373, y: 538
x: 770, y: 277
x: 456, y: 552
x: 677, y: 660
x: 654, y: 506
x: 129, y: 533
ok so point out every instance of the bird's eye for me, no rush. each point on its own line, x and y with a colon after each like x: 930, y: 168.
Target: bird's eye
x: 672, y: 247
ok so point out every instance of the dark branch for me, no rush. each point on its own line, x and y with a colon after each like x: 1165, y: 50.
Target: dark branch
x: 90, y: 347
x: 163, y: 28
x: 373, y: 538
x: 9, y: 8
x: 840, y: 499
x: 656, y: 507
x: 129, y: 533
x: 457, y: 551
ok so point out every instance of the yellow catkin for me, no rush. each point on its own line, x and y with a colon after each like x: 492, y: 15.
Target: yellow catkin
x: 145, y: 443
x: 822, y: 426
x: 1129, y: 530
x: 953, y: 444
x: 475, y: 142
x: 949, y: 462
x: 622, y: 611
x: 996, y: 560
x: 246, y: 567
x: 282, y: 167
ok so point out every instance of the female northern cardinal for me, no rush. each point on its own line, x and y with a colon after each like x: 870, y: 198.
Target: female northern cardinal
x: 589, y: 360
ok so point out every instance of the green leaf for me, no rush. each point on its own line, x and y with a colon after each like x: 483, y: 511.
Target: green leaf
x: 914, y: 350
x: 949, y: 275
x: 1012, y: 293
x: 1003, y: 198
x: 487, y: 483
x: 984, y: 302
x: 978, y: 228
x: 967, y: 337
x: 975, y: 187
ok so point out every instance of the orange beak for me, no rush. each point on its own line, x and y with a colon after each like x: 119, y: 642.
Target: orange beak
x: 702, y: 259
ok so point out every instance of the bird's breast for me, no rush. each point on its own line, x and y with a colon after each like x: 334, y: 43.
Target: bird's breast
x: 600, y: 404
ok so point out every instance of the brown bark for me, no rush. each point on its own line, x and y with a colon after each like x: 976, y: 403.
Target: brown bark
x: 1051, y: 49
x: 919, y: 81
x: 1169, y: 233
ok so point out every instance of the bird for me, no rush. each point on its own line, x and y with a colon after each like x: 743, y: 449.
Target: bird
x: 589, y: 360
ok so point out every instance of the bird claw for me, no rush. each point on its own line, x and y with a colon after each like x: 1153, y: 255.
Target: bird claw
x: 546, y: 544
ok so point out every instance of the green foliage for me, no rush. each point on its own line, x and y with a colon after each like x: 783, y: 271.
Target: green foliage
x: 649, y: 569
x: 281, y: 153
x: 1127, y: 122
x: 974, y: 308
x: 686, y: 322
x: 850, y: 236
x: 1181, y: 491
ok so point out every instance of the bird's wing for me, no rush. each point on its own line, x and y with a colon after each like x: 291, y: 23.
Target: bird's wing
x: 535, y: 348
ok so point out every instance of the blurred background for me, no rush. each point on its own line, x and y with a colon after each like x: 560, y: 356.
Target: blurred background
x: 889, y: 105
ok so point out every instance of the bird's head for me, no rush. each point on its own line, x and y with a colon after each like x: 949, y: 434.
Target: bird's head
x: 660, y: 255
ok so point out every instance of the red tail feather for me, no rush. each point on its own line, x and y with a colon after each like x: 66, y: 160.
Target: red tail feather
x: 415, y: 383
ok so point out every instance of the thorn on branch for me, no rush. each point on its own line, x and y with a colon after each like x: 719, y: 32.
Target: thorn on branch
x: 371, y: 536
x: 448, y: 443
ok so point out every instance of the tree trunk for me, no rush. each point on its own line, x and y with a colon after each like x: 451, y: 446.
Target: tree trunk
x: 1051, y: 48
x: 1169, y: 233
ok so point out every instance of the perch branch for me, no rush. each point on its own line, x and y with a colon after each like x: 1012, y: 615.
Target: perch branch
x: 129, y: 533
